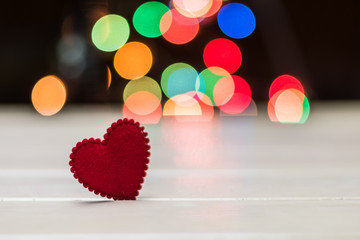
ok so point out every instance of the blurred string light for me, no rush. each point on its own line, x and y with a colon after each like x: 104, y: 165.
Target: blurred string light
x: 217, y: 84
x: 192, y: 96
x: 110, y: 32
x: 236, y: 20
x: 143, y: 84
x: 142, y: 100
x: 151, y: 118
x: 179, y: 83
x: 182, y: 105
x: 192, y: 8
x: 133, y: 60
x: 241, y: 98
x: 178, y: 78
x: 147, y: 18
x: 196, y: 8
x: 142, y: 103
x: 284, y: 82
x: 108, y: 77
x: 178, y: 29
x: 187, y: 108
x: 224, y: 89
x: 288, y: 102
x: 215, y: 6
x: 222, y: 53
x: 48, y: 95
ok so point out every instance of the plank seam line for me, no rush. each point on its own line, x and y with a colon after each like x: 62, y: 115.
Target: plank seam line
x: 179, y: 199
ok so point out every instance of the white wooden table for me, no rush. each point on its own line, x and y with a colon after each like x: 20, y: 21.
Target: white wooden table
x: 233, y: 178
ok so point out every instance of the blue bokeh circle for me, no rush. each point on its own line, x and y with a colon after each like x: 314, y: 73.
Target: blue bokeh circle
x: 236, y: 20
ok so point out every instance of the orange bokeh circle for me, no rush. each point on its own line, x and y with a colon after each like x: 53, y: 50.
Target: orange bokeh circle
x: 133, y: 60
x: 48, y: 95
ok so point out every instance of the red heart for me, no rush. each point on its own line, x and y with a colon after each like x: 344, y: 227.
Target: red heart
x: 116, y: 166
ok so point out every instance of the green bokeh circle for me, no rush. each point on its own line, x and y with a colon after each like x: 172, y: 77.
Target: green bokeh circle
x: 208, y: 79
x: 147, y: 18
x: 110, y: 33
x: 306, y: 110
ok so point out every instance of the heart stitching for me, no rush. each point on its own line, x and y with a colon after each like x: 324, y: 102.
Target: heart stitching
x: 116, y: 166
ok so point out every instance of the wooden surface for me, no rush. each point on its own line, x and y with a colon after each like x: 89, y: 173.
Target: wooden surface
x: 233, y: 178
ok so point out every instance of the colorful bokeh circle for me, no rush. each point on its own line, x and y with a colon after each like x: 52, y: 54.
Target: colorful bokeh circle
x: 178, y: 78
x: 288, y: 102
x: 142, y: 103
x: 222, y: 53
x: 143, y: 84
x: 147, y: 18
x: 191, y: 8
x: 142, y: 100
x: 110, y: 32
x: 143, y: 107
x: 285, y: 82
x: 236, y: 20
x: 215, y: 6
x: 178, y: 29
x: 188, y: 108
x: 48, y: 95
x: 217, y: 84
x: 133, y: 60
x: 241, y: 98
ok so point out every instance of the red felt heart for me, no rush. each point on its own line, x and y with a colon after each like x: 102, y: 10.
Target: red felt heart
x: 116, y: 166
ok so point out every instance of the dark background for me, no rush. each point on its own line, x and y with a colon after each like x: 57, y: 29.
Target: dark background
x: 316, y: 41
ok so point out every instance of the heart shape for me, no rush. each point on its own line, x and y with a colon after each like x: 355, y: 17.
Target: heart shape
x: 116, y: 166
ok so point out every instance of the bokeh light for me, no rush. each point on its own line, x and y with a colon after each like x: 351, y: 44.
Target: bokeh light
x: 193, y: 8
x: 142, y: 103
x: 187, y: 108
x: 285, y: 82
x: 178, y: 29
x: 110, y: 32
x: 182, y: 105
x: 108, y: 77
x: 147, y: 18
x: 222, y: 53
x: 178, y: 78
x: 236, y: 20
x: 288, y: 102
x: 142, y: 84
x: 142, y: 100
x: 306, y: 110
x: 133, y: 60
x: 289, y: 106
x: 216, y: 5
x: 224, y: 90
x: 241, y: 98
x: 135, y: 103
x: 208, y: 79
x: 48, y: 95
